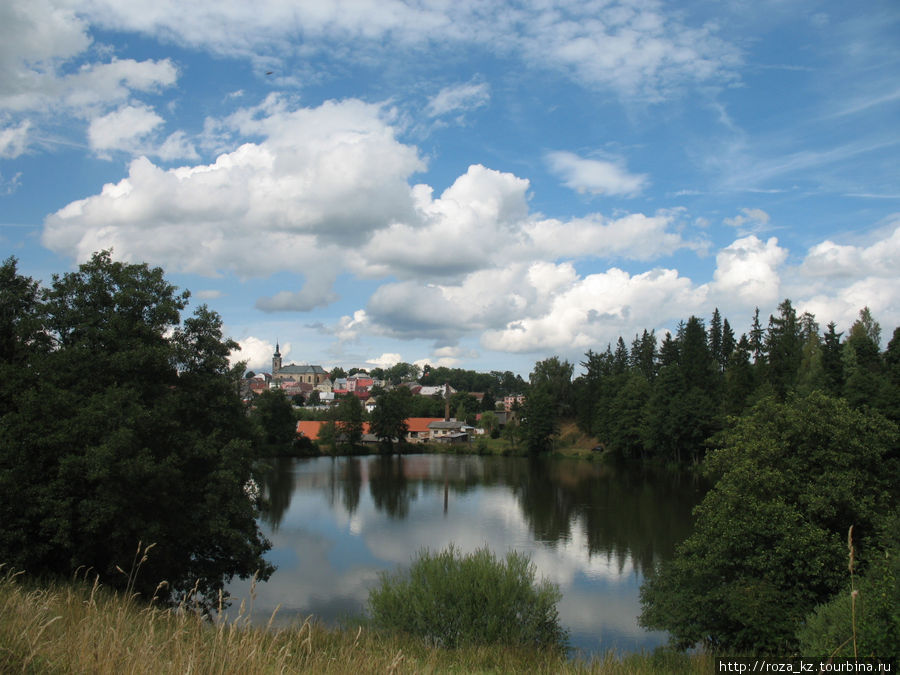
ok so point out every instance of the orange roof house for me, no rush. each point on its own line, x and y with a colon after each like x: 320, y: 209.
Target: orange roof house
x: 311, y: 429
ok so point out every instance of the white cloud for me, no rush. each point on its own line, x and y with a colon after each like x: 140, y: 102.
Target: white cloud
x: 49, y: 77
x: 634, y: 236
x: 635, y: 49
x: 14, y: 140
x: 35, y: 37
x: 256, y: 353
x: 880, y: 259
x: 596, y: 309
x: 458, y: 97
x: 316, y: 292
x: 748, y: 271
x: 751, y: 221
x: 349, y: 328
x: 122, y: 129
x: 322, y: 178
x: 598, y: 177
x: 385, y: 360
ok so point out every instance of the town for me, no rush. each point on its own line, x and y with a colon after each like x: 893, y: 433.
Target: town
x: 314, y: 388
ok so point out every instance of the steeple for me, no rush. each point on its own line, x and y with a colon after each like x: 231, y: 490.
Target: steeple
x: 276, y: 360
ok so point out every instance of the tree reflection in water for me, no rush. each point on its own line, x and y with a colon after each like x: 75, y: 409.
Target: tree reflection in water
x: 632, y: 513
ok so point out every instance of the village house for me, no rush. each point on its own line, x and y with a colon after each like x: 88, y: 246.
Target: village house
x: 449, y: 431
x: 417, y: 428
x: 510, y: 401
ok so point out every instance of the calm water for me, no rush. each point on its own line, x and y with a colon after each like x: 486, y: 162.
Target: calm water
x: 335, y: 523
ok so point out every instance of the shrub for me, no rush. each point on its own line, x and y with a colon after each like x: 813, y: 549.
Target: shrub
x: 454, y: 600
x: 864, y: 619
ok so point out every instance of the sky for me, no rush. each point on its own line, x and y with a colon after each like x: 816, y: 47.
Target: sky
x: 465, y: 183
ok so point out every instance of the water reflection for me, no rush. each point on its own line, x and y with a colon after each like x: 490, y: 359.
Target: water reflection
x: 594, y: 530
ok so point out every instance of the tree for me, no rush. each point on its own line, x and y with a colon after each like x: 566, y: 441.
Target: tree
x: 832, y: 361
x: 21, y: 330
x: 784, y: 347
x: 129, y: 428
x: 540, y: 420
x: 555, y: 378
x: 348, y: 418
x: 390, y: 414
x: 715, y: 340
x: 627, y: 416
x: 757, y: 341
x: 769, y: 542
x: 865, y: 382
x: 490, y: 423
x: 274, y: 418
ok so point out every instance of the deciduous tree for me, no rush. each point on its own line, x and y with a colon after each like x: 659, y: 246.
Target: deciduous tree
x: 128, y: 428
x: 770, y: 537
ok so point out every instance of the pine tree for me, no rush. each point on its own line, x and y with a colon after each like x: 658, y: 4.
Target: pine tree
x: 784, y: 347
x: 715, y: 337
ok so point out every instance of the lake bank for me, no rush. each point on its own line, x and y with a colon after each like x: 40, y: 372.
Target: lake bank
x: 77, y: 627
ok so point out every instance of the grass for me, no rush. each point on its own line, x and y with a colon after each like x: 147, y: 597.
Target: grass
x: 81, y: 627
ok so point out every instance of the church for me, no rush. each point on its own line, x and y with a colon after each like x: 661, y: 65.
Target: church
x: 313, y: 375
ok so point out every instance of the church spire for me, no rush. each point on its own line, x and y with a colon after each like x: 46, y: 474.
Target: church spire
x: 276, y: 360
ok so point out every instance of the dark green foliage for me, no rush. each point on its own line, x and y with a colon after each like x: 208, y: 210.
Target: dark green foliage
x: 273, y: 416
x: 496, y: 383
x: 389, y: 417
x: 555, y: 378
x: 770, y: 537
x: 864, y: 617
x: 832, y: 361
x: 784, y: 348
x: 348, y: 419
x: 125, y: 426
x: 626, y: 416
x: 739, y: 378
x: 540, y: 420
x: 453, y: 600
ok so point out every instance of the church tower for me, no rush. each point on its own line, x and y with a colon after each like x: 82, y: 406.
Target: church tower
x: 276, y: 360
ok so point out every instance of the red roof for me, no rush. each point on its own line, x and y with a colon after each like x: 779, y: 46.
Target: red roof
x: 311, y: 429
x: 420, y: 424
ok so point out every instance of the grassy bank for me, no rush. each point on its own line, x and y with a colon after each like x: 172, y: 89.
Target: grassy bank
x: 77, y: 627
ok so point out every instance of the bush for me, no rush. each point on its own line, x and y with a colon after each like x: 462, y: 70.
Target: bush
x: 454, y: 600
x: 867, y: 624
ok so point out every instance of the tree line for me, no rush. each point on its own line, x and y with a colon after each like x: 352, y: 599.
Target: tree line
x: 796, y: 547
x: 664, y: 400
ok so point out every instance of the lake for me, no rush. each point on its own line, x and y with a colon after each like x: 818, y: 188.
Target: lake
x: 594, y: 530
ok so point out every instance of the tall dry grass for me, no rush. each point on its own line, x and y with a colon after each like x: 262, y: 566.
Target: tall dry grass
x: 81, y: 627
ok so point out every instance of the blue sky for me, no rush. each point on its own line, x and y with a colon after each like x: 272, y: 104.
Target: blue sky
x: 471, y: 184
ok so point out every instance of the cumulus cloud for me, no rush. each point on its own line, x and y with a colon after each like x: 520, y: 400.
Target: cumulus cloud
x: 325, y: 179
x: 256, y: 353
x: 748, y: 270
x: 321, y: 179
x: 598, y: 177
x: 386, y: 360
x: 454, y: 234
x: 122, y: 129
x: 49, y: 76
x: 634, y: 236
x: 837, y: 280
x: 596, y: 309
x: 879, y: 259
